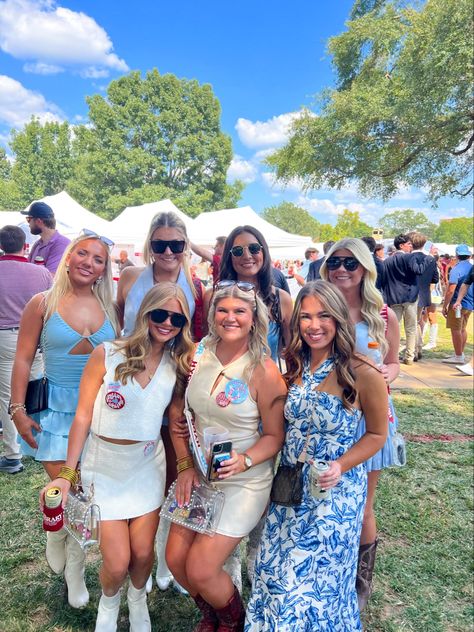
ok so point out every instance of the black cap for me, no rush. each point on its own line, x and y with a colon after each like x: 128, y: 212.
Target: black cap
x: 39, y: 210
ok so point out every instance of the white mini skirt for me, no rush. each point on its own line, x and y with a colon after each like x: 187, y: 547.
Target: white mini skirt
x: 129, y: 480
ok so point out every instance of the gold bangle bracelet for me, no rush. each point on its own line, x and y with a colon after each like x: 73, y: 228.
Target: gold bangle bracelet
x: 69, y: 474
x: 185, y: 465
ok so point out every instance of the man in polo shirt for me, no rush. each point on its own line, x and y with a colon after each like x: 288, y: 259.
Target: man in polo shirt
x: 50, y: 246
x: 19, y: 281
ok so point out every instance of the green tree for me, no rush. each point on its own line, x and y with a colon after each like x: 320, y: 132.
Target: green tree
x: 153, y: 136
x: 43, y: 160
x: 455, y: 231
x: 405, y: 221
x: 349, y: 224
x: 293, y: 219
x: 401, y: 112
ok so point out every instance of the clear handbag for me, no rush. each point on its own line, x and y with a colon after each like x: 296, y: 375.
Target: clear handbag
x: 82, y: 518
x: 201, y: 514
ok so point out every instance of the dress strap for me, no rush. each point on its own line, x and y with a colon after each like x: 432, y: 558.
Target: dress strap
x: 321, y: 373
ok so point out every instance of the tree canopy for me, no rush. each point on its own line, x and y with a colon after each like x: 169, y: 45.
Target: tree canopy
x: 401, y: 112
x: 293, y: 219
x: 405, y: 221
x: 455, y: 231
x: 150, y: 138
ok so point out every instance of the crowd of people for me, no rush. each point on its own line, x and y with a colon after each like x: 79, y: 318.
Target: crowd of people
x: 293, y: 386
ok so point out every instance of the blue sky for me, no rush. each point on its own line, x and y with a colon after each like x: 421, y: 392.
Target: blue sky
x: 264, y: 60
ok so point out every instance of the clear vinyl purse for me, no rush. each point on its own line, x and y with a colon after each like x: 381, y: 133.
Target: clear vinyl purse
x: 201, y: 514
x: 82, y: 518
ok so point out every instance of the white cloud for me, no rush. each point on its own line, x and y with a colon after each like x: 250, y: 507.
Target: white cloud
x: 54, y: 37
x: 18, y: 104
x: 270, y: 133
x: 40, y: 68
x: 293, y: 185
x: 241, y: 169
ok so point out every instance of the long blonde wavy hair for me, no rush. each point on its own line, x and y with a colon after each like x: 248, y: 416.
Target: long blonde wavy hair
x: 137, y: 346
x: 298, y: 352
x: 372, y: 301
x: 258, y: 346
x: 168, y: 219
x: 62, y: 285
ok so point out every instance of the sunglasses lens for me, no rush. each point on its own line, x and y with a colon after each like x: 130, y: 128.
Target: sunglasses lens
x: 254, y: 249
x: 333, y: 263
x: 178, y: 320
x: 176, y: 246
x: 160, y: 245
x: 159, y: 315
x: 237, y: 251
x: 351, y: 263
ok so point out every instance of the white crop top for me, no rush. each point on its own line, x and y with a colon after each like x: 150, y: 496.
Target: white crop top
x: 130, y: 411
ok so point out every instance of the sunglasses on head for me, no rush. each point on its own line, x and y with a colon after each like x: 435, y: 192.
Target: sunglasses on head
x: 254, y: 249
x: 105, y: 240
x: 159, y: 316
x: 349, y: 263
x: 245, y: 286
x: 160, y: 245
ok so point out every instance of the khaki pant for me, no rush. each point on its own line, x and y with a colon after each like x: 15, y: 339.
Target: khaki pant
x: 409, y: 312
x: 8, y: 340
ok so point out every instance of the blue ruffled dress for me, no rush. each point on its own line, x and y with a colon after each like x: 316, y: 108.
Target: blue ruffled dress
x: 384, y: 457
x: 63, y: 370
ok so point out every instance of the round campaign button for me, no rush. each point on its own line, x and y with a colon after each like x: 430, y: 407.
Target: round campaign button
x: 237, y: 391
x: 222, y: 399
x: 115, y: 400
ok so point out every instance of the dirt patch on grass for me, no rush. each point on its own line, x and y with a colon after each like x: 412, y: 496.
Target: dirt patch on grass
x: 444, y: 438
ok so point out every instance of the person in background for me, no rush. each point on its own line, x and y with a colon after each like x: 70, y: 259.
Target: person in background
x: 69, y: 321
x: 49, y: 248
x: 311, y: 254
x: 466, y: 286
x: 305, y: 573
x: 371, y: 245
x: 123, y: 261
x: 426, y: 310
x: 458, y: 326
x: 279, y: 279
x: 315, y: 266
x: 19, y: 282
x: 124, y: 454
x: 379, y: 252
x: 214, y: 258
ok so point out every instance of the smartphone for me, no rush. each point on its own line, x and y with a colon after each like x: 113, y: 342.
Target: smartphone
x: 427, y: 247
x: 220, y: 451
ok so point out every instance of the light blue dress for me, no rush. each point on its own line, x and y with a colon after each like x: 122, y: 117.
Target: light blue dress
x: 63, y: 370
x: 384, y: 457
x: 273, y: 339
x: 138, y: 290
x: 306, y: 567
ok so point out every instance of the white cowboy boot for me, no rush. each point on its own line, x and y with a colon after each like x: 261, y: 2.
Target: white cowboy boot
x: 107, y: 613
x: 138, y: 614
x: 77, y: 593
x: 56, y: 550
x: 433, y: 337
x: 163, y: 573
x: 149, y: 585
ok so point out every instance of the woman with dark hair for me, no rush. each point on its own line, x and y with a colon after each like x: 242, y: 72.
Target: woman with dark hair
x: 246, y: 257
x: 306, y: 567
x: 125, y: 389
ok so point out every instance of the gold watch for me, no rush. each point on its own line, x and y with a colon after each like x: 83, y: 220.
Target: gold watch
x: 247, y: 461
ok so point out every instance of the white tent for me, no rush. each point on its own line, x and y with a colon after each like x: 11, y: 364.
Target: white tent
x: 131, y: 226
x: 207, y: 226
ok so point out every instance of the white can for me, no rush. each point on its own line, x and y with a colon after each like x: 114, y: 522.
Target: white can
x: 318, y: 468
x: 457, y: 312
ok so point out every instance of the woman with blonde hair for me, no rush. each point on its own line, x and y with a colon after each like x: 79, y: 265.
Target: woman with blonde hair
x: 166, y: 255
x: 125, y: 389
x: 68, y: 322
x: 235, y: 385
x: 306, y: 565
x: 349, y: 265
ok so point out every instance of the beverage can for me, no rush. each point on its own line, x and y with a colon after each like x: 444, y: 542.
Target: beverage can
x: 457, y: 312
x: 318, y: 468
x: 53, y: 518
x: 39, y: 260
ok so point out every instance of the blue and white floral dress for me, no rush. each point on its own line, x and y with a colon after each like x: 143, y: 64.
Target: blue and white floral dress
x: 306, y: 567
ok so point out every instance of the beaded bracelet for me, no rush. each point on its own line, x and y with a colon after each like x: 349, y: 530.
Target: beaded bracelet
x: 69, y: 474
x: 14, y: 408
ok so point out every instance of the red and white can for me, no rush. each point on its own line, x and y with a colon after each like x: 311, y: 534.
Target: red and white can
x: 53, y: 519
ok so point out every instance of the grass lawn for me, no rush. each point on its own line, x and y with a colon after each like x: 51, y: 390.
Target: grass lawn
x: 424, y: 569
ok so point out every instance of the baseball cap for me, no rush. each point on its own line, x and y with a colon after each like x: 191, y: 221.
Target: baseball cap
x: 462, y: 249
x: 39, y: 210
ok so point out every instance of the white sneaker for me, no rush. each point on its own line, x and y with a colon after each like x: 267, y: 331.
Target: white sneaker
x: 429, y: 345
x: 455, y: 359
x: 466, y: 368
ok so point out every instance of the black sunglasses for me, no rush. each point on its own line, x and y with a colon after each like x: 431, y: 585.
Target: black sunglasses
x: 105, y: 240
x: 159, y: 316
x: 160, y: 245
x: 350, y: 263
x: 245, y: 286
x: 254, y: 249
